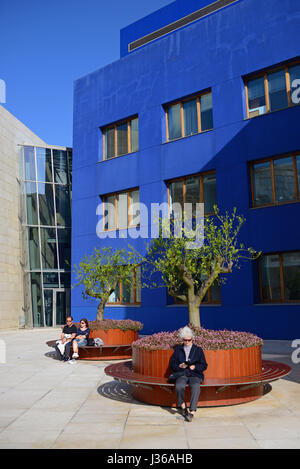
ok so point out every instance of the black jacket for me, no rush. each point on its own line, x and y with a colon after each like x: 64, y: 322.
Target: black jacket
x: 196, y: 358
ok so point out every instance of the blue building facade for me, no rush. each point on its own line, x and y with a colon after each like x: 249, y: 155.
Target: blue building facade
x: 214, y: 94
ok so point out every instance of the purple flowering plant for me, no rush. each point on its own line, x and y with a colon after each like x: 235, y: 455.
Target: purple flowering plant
x: 123, y: 324
x: 205, y: 338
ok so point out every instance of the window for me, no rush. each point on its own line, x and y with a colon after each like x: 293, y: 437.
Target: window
x: 189, y: 116
x: 200, y: 188
x: 279, y: 277
x: 276, y: 180
x: 121, y: 210
x: 213, y: 295
x: 272, y: 90
x: 128, y: 294
x: 121, y: 138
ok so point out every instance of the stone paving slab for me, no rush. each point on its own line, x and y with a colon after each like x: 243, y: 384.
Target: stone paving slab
x: 48, y: 404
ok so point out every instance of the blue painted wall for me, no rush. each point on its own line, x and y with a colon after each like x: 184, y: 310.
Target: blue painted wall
x: 214, y: 52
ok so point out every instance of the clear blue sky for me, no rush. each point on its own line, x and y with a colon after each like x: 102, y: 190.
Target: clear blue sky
x: 47, y: 44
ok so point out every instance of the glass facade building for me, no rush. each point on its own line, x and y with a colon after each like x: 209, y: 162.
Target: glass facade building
x: 45, y: 217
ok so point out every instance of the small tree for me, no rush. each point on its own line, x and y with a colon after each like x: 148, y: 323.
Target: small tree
x: 189, y: 273
x: 102, y: 271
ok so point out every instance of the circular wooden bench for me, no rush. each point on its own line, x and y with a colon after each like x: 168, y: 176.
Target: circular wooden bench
x: 105, y: 352
x: 214, y: 392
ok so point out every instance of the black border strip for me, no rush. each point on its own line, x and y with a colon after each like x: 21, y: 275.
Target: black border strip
x: 179, y: 23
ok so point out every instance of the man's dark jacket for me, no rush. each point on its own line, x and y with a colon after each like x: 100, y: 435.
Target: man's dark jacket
x: 196, y: 357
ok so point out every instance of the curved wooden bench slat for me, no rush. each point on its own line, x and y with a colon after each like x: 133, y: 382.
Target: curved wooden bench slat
x: 271, y: 371
x: 214, y: 392
x: 104, y: 352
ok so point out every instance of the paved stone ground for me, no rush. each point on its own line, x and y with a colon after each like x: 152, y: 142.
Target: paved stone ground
x: 45, y: 403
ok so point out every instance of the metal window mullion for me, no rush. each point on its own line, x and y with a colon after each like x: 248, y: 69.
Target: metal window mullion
x: 266, y: 85
x: 55, y: 218
x: 288, y: 85
x: 281, y: 278
x: 39, y: 236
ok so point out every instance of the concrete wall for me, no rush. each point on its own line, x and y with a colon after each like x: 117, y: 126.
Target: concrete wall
x: 12, y: 134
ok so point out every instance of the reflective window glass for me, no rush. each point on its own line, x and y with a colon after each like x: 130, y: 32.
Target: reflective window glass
x: 31, y: 202
x: 65, y: 279
x: 209, y: 192
x: 64, y: 248
x: 46, y: 204
x: 44, y: 164
x: 115, y: 297
x: 176, y: 198
x: 174, y: 122
x: 34, y: 252
x: 262, y: 183
x: 109, y: 135
x: 36, y: 297
x: 48, y: 304
x: 134, y: 134
x: 135, y: 208
x: 256, y: 97
x: 206, y: 111
x: 109, y: 212
x: 60, y: 166
x: 62, y: 202
x: 277, y: 90
x: 29, y: 160
x: 50, y: 280
x: 215, y: 291
x: 270, y: 277
x: 190, y: 120
x: 48, y: 248
x: 122, y: 139
x: 122, y: 209
x: 284, y: 179
x: 291, y: 275
x: 192, y: 193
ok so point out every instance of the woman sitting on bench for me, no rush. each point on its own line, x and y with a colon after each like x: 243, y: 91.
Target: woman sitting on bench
x: 188, y: 362
x: 81, y: 338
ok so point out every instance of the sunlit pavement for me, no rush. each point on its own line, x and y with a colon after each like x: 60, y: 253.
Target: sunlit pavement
x: 45, y: 403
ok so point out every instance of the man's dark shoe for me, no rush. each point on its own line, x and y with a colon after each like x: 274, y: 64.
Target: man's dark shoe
x: 183, y: 412
x: 189, y: 417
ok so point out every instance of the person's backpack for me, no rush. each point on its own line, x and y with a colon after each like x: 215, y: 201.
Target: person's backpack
x: 98, y: 342
x: 91, y: 342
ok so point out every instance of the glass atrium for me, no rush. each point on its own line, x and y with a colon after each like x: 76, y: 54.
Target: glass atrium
x: 45, y: 217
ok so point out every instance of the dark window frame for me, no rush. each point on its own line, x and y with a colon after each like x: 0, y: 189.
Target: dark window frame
x: 282, y: 289
x: 181, y: 102
x: 129, y: 198
x: 264, y: 74
x: 114, y: 126
x: 270, y: 160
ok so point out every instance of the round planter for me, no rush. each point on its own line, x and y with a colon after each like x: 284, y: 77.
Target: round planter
x: 225, y: 364
x: 115, y: 336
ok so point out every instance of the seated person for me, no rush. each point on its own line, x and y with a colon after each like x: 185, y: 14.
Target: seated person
x: 81, y: 338
x: 67, y: 337
x: 188, y: 362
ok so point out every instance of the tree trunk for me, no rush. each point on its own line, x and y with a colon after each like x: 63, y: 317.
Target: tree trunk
x: 100, y: 311
x: 193, y: 305
x: 194, y: 315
